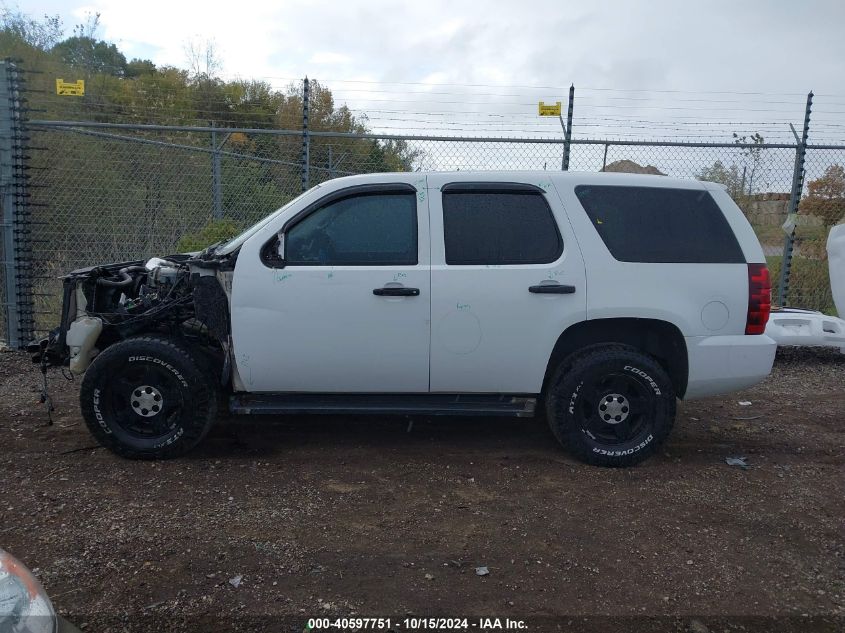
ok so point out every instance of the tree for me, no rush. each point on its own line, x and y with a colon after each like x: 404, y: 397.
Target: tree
x: 753, y: 157
x: 203, y: 61
x: 728, y: 176
x: 95, y: 56
x: 42, y: 34
x: 826, y: 196
x: 138, y: 67
x: 84, y: 50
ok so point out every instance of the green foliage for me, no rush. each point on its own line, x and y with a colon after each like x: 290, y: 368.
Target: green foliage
x: 95, y: 56
x: 138, y: 67
x: 214, y: 231
x: 809, y: 283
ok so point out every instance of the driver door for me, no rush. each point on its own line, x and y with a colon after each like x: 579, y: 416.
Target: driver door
x: 348, y: 309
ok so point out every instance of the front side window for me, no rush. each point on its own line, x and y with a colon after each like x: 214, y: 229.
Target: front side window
x: 499, y: 228
x: 360, y: 230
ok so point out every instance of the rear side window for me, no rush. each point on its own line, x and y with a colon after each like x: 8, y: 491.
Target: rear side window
x: 660, y: 225
x: 506, y: 227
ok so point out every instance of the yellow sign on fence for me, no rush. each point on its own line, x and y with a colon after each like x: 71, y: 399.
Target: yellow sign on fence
x: 548, y: 110
x: 70, y: 88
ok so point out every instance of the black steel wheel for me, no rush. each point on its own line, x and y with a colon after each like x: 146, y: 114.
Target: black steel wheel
x: 148, y: 398
x: 611, y: 405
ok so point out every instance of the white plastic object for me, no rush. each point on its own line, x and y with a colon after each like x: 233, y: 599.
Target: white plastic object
x: 794, y: 326
x: 836, y: 265
x: 81, y: 338
x: 155, y: 262
x: 24, y: 605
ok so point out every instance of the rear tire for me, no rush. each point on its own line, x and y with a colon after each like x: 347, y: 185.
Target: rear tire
x: 611, y: 406
x: 148, y: 398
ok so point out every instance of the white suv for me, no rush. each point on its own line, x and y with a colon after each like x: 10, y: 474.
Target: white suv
x: 596, y: 298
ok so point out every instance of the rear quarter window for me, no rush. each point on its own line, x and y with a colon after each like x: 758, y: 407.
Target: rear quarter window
x: 660, y: 225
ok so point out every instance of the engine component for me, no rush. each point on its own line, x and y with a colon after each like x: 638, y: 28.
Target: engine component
x: 81, y: 338
x: 161, y: 272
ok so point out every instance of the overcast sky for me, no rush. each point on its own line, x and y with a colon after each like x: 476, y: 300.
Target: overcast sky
x: 490, y: 51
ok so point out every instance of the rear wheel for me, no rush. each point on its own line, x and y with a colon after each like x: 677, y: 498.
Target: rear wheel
x: 148, y: 398
x: 611, y: 406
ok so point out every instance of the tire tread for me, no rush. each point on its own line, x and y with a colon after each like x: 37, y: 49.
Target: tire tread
x: 200, y: 383
x: 573, y: 365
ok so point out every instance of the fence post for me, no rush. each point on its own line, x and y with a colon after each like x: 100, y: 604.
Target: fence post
x: 216, y: 182
x: 794, y: 200
x: 306, y: 138
x: 567, y: 135
x: 17, y: 243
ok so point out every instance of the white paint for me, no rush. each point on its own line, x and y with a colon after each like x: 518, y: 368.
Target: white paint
x: 721, y: 364
x: 459, y: 332
x: 793, y: 326
x: 675, y: 293
x: 320, y: 328
x: 715, y: 315
x: 477, y: 329
x: 518, y: 330
x: 836, y: 265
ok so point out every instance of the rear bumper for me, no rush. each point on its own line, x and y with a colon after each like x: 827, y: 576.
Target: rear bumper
x: 793, y: 326
x: 721, y: 364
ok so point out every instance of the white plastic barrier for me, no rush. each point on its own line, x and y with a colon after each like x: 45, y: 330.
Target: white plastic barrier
x: 836, y: 264
x: 793, y: 326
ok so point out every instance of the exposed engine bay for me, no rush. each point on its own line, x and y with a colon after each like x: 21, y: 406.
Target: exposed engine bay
x: 178, y: 295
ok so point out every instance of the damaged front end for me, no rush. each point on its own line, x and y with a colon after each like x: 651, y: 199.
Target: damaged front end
x: 182, y: 296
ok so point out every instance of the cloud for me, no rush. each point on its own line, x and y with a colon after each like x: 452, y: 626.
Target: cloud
x: 327, y: 58
x: 662, y: 45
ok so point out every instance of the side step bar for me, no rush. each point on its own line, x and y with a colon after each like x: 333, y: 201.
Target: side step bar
x: 390, y: 404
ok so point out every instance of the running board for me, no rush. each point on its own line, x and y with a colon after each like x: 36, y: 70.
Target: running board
x: 390, y: 404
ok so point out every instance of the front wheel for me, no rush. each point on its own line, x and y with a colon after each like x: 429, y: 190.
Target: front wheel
x: 148, y: 398
x: 611, y: 406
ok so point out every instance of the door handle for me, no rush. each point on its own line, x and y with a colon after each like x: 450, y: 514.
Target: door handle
x: 552, y: 289
x: 396, y: 292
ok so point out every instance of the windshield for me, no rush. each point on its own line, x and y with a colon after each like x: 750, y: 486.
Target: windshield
x: 237, y: 241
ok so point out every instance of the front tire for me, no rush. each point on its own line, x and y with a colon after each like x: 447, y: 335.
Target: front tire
x: 611, y: 405
x: 148, y: 398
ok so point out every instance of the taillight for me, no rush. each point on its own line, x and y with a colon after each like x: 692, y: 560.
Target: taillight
x: 759, y: 298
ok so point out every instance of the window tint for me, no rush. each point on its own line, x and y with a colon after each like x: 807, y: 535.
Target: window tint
x: 488, y: 227
x: 366, y: 229
x: 659, y: 225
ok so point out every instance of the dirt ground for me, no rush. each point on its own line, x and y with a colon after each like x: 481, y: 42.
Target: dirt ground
x: 376, y: 517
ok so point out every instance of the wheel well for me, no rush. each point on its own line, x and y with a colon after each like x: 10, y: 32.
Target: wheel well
x: 660, y: 339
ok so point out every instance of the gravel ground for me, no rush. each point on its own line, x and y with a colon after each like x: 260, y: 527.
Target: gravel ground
x: 375, y: 517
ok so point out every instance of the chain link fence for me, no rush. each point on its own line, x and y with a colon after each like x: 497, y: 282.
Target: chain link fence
x: 104, y: 192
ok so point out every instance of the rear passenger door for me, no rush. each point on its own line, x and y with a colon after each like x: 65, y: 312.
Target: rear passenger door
x: 507, y: 277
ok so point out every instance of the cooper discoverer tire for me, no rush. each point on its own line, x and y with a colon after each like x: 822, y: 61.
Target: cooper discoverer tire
x: 611, y: 405
x: 148, y: 398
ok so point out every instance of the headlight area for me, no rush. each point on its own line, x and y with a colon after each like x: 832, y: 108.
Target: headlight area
x: 104, y: 304
x: 24, y: 606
